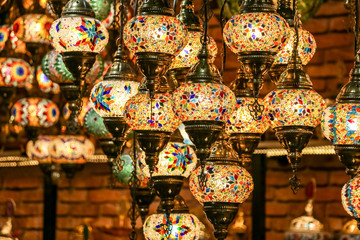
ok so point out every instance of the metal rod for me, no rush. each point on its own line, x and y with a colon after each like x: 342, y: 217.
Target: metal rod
x: 356, y: 26
x: 50, y: 201
x: 222, y: 39
x: 258, y: 200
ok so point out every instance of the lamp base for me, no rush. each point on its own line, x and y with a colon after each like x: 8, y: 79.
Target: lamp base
x: 167, y: 187
x: 349, y: 155
x: 153, y: 65
x: 71, y: 168
x: 256, y: 65
x: 79, y: 63
x: 70, y: 91
x: 109, y: 148
x: 221, y: 215
x: 245, y: 144
x: 176, y: 77
x: 152, y: 143
x: 294, y: 139
x: 118, y: 128
x: 203, y: 134
x: 275, y: 72
x: 144, y: 197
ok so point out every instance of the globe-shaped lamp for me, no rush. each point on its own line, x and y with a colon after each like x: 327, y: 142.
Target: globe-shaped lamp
x: 350, y: 198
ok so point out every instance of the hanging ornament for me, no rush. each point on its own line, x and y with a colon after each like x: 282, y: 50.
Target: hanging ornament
x: 350, y: 198
x: 155, y: 37
x: 188, y: 56
x: 256, y: 35
x: 243, y: 128
x: 228, y: 185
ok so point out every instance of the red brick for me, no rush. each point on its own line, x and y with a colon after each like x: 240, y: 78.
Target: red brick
x: 274, y: 235
x: 296, y: 209
x: 62, y: 234
x: 19, y: 183
x: 280, y: 224
x: 340, y: 54
x: 328, y: 194
x: 275, y: 179
x: 286, y: 194
x: 321, y: 177
x: 29, y: 209
x: 319, y: 84
x: 32, y: 195
x: 339, y: 24
x: 72, y: 195
x: 317, y: 25
x: 336, y: 210
x: 332, y: 8
x: 106, y: 195
x: 326, y: 70
x: 84, y: 210
x: 104, y: 222
x: 247, y: 208
x: 335, y: 224
x: 5, y: 195
x: 68, y: 222
x: 333, y: 40
x: 109, y: 209
x: 319, y: 210
x: 29, y: 222
x: 89, y: 182
x: 318, y: 57
x: 270, y: 194
x: 32, y: 235
x: 276, y: 209
x: 339, y: 178
x: 62, y: 209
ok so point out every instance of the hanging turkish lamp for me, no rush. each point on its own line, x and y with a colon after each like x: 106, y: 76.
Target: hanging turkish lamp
x: 155, y: 36
x: 350, y: 198
x: 306, y: 48
x: 256, y: 35
x: 188, y: 56
x: 295, y: 110
x: 45, y: 84
x: 228, y: 185
x: 79, y: 37
x: 184, y: 224
x: 176, y: 162
x: 71, y: 152
x: 33, y: 114
x: 203, y: 103
x: 4, y: 35
x: 243, y: 128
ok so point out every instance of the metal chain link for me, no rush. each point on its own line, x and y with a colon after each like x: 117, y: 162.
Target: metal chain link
x: 133, y: 184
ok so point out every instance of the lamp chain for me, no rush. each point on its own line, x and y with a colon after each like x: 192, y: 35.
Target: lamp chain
x: 356, y: 31
x: 133, y: 184
x: 223, y: 22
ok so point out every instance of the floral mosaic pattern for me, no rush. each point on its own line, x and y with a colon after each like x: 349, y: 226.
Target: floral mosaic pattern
x: 54, y: 68
x: 78, y: 34
x: 4, y: 35
x: 226, y: 183
x: 35, y: 112
x: 86, y: 106
x: 33, y: 28
x: 15, y: 72
x: 294, y: 107
x: 71, y: 149
x: 94, y: 124
x: 350, y: 197
x: 45, y: 84
x: 177, y: 159
x: 155, y: 33
x: 340, y: 123
x: 144, y: 113
x: 241, y: 121
x: 188, y: 55
x: 306, y: 48
x: 256, y: 32
x: 38, y: 150
x: 185, y: 226
x: 203, y: 101
x: 109, y: 97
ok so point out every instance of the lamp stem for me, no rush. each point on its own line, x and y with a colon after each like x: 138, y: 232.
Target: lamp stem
x: 356, y: 26
x: 133, y: 184
x: 123, y: 18
x: 223, y: 22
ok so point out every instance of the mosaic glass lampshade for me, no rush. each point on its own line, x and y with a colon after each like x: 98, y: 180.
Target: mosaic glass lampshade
x: 94, y: 124
x: 243, y: 127
x: 71, y: 151
x: 35, y: 112
x: 155, y: 36
x: 38, y: 150
x: 306, y: 50
x: 33, y: 28
x: 15, y: 72
x: 101, y: 8
x: 55, y: 69
x: 350, y: 198
x: 340, y: 122
x: 79, y: 34
x: 256, y: 35
x: 4, y: 35
x: 185, y: 225
x: 46, y: 85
